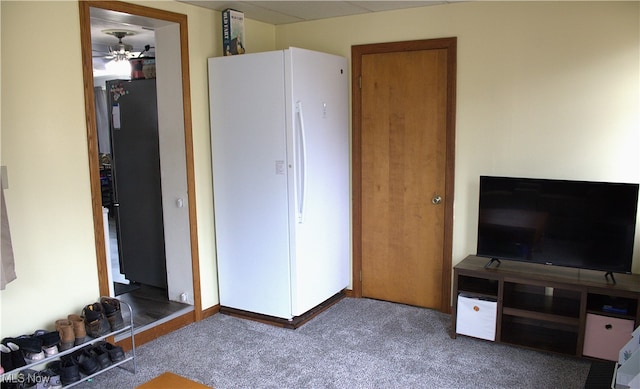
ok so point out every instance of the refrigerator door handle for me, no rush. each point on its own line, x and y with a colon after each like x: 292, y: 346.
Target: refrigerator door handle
x: 301, y: 160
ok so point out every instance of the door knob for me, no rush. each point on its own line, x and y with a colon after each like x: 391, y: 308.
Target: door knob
x: 436, y: 200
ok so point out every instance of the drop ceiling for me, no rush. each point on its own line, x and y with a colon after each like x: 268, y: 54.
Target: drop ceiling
x: 272, y: 12
x: 284, y: 12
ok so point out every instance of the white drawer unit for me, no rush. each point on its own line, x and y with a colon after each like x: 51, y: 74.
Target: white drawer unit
x: 476, y: 317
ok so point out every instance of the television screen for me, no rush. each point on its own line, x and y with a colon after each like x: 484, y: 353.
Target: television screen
x: 589, y: 225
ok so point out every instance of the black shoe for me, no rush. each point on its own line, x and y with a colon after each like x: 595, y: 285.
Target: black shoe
x: 116, y: 354
x: 69, y: 371
x: 101, y: 355
x: 55, y: 366
x: 14, y: 359
x: 112, y: 311
x: 6, y: 360
x: 87, y: 363
x: 27, y: 343
x: 95, y: 321
x: 48, y: 338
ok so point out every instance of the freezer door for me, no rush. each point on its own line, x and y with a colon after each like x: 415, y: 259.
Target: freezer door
x: 250, y: 182
x: 319, y: 154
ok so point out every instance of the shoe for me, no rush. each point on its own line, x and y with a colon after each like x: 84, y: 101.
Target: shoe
x: 69, y: 370
x: 26, y: 343
x: 87, y: 363
x: 48, y: 338
x: 55, y: 366
x: 6, y: 360
x: 27, y: 378
x: 78, y: 329
x: 49, y: 380
x: 15, y: 359
x: 30, y: 358
x: 66, y: 333
x: 116, y: 354
x: 95, y: 322
x: 50, y: 351
x: 112, y: 311
x: 101, y: 355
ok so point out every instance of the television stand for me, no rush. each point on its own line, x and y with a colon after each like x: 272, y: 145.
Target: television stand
x: 609, y: 273
x: 550, y: 308
x: 491, y: 261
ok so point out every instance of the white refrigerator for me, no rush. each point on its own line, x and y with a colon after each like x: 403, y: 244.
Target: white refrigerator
x: 280, y: 147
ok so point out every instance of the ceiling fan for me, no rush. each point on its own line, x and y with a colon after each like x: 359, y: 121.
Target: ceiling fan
x: 120, y: 51
x: 115, y: 58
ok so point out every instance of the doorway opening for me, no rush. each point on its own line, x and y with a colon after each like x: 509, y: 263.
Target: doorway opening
x: 161, y: 36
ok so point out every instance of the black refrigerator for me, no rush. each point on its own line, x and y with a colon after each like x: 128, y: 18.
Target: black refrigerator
x: 137, y: 192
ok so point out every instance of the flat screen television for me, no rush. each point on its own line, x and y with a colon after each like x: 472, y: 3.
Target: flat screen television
x: 580, y: 224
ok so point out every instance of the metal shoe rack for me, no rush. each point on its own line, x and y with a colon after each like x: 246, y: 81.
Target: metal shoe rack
x: 12, y: 376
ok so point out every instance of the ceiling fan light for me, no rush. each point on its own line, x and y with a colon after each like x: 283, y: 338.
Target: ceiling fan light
x: 120, y: 55
x: 121, y: 48
x: 118, y: 67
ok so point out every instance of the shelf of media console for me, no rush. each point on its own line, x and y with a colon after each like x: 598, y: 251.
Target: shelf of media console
x: 129, y: 328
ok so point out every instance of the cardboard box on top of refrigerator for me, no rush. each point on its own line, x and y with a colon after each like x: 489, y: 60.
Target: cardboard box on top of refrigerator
x: 232, y: 32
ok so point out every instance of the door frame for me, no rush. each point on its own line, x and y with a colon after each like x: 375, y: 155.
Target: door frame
x: 357, y: 52
x: 92, y: 141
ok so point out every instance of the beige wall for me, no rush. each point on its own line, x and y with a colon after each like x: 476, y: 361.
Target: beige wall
x: 545, y: 89
x: 44, y: 145
x: 45, y: 149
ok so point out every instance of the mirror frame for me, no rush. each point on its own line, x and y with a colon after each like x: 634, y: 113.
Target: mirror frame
x: 92, y: 135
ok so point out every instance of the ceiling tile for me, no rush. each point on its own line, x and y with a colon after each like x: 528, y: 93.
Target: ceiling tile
x: 377, y: 6
x: 283, y: 12
x: 252, y: 10
x: 311, y: 10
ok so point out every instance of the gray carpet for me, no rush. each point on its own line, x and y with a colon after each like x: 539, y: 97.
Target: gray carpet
x: 357, y: 343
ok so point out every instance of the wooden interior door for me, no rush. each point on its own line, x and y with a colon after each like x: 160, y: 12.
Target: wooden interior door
x: 405, y: 171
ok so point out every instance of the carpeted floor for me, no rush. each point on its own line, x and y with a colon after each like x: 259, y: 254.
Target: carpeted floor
x: 357, y: 343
